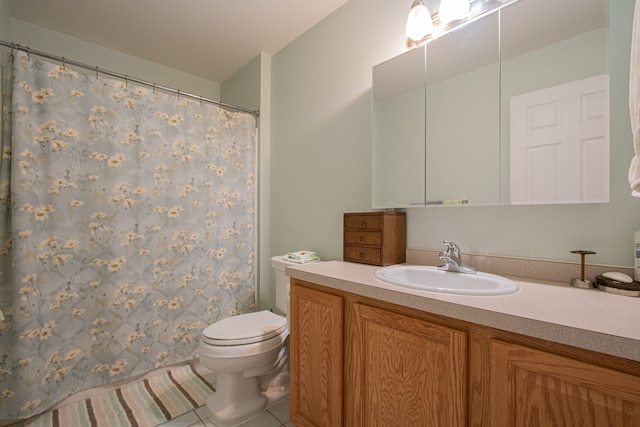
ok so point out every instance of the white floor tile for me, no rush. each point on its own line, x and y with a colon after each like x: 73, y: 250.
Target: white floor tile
x: 266, y: 419
x: 281, y: 410
x: 263, y: 420
x: 202, y: 412
x: 187, y: 420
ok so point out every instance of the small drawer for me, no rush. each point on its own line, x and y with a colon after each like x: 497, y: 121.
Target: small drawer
x: 363, y: 255
x: 363, y: 222
x: 370, y: 238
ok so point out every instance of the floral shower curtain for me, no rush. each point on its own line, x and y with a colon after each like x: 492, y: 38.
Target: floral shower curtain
x: 127, y: 226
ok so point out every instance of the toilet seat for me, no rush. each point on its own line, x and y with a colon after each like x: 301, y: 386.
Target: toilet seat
x: 245, y: 329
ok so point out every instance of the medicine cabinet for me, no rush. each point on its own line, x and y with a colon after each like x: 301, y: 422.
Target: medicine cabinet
x: 512, y: 108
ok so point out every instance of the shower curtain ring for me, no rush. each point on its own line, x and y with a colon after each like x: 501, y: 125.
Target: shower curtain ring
x: 64, y: 63
x: 154, y: 88
x: 97, y: 73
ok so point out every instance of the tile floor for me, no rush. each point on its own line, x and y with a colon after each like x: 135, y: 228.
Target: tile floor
x: 276, y: 416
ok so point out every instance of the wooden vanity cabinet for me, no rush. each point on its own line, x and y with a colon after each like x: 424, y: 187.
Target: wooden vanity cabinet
x: 316, y: 351
x: 405, y: 371
x: 398, y: 370
x: 357, y: 361
x: 535, y: 388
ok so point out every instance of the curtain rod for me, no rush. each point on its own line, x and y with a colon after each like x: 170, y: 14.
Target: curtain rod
x: 62, y: 59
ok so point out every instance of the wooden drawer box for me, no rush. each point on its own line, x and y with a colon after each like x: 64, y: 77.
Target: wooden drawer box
x: 377, y: 238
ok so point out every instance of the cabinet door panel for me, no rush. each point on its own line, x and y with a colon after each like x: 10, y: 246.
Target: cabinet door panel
x: 534, y: 388
x: 408, y: 372
x: 316, y: 357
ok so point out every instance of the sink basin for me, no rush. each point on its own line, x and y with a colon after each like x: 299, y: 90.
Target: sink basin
x: 431, y: 279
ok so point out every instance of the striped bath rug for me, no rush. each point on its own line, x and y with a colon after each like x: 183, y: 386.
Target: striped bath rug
x: 147, y: 402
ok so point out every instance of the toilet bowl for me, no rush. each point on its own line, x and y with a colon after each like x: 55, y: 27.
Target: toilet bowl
x: 241, y: 350
x: 249, y: 353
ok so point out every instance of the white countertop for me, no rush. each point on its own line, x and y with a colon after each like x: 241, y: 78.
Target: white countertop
x: 584, y: 318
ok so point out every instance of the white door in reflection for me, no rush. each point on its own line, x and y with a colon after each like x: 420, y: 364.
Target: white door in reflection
x: 560, y: 144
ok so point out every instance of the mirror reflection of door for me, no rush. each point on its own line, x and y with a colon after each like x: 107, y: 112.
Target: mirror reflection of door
x: 560, y: 144
x: 547, y: 62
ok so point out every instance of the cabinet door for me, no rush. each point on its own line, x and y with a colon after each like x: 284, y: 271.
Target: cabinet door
x: 316, y: 347
x: 535, y: 388
x: 405, y: 371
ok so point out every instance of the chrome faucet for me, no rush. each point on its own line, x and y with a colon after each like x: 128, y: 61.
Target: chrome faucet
x: 452, y: 259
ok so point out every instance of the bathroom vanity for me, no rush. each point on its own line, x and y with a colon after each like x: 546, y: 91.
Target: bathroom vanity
x: 366, y: 353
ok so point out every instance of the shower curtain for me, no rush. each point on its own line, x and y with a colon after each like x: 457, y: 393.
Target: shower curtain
x: 127, y: 226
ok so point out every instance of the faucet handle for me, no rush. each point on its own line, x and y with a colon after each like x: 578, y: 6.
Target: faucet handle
x: 452, y: 259
x: 452, y: 248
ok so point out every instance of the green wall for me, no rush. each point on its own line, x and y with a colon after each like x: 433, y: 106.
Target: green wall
x: 250, y: 88
x: 321, y: 152
x: 4, y: 20
x: 315, y: 144
x: 321, y: 123
x: 243, y: 88
x: 55, y: 43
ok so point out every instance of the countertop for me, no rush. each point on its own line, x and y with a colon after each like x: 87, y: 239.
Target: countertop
x: 583, y: 318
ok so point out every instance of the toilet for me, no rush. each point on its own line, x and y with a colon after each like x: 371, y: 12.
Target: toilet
x: 250, y: 354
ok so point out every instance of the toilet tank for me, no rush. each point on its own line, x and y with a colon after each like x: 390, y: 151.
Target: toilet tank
x: 282, y: 283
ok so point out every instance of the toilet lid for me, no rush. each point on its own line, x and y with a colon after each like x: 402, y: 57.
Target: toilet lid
x: 245, y: 329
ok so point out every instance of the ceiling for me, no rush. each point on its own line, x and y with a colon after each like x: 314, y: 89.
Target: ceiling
x: 211, y: 39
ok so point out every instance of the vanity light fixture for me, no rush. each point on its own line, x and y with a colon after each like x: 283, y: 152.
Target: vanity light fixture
x: 453, y: 10
x: 419, y: 23
x: 421, y: 26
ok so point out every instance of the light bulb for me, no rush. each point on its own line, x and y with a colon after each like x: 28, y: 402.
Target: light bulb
x: 451, y: 10
x: 419, y: 23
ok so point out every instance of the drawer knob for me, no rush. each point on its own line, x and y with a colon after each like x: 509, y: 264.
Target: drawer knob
x: 362, y: 255
x: 363, y: 224
x: 361, y: 240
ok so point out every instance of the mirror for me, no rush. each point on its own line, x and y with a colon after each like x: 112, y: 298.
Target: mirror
x: 555, y: 101
x: 463, y: 116
x: 399, y: 131
x: 487, y: 88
